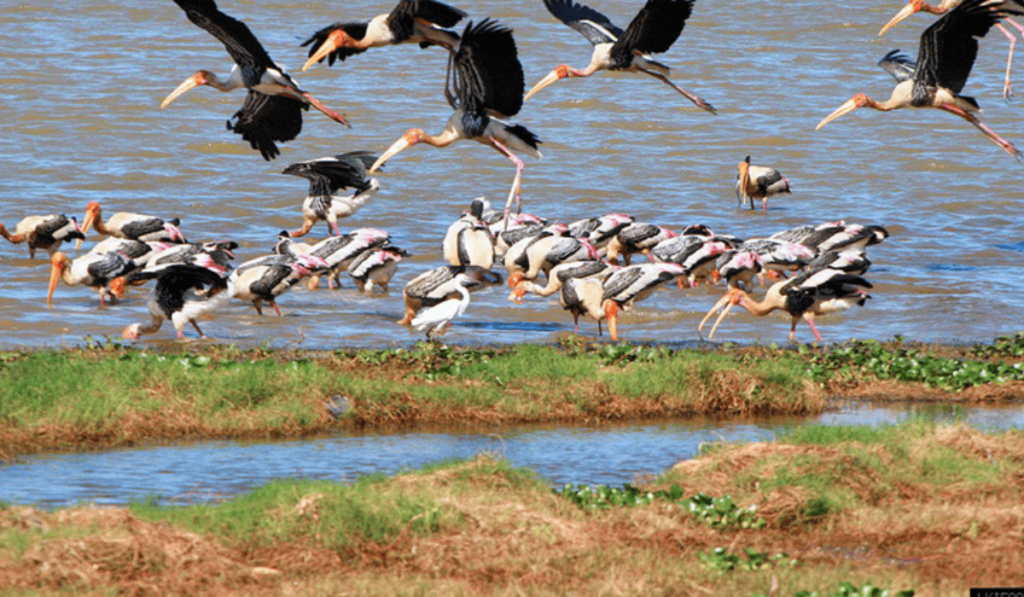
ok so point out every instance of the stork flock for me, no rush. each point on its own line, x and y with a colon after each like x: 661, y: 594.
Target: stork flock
x: 485, y: 86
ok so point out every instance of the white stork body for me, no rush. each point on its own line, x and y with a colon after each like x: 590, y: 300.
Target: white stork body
x: 328, y: 176
x: 184, y: 294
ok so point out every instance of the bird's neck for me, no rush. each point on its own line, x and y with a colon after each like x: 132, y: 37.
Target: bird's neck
x: 757, y: 308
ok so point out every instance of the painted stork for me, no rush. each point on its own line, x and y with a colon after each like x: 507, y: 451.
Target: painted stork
x: 215, y: 255
x: 850, y: 261
x: 618, y: 292
x: 487, y: 87
x: 436, y: 319
x: 43, y: 232
x: 183, y: 294
x: 779, y: 256
x: 806, y: 296
x: 529, y: 257
x: 468, y: 240
x: 376, y: 267
x: 326, y: 177
x: 435, y: 286
x: 94, y: 269
x: 758, y: 182
x: 942, y: 8
x: 738, y: 268
x: 696, y: 253
x: 945, y: 57
x: 339, y: 252
x: 637, y: 237
x: 131, y: 225
x: 267, y: 281
x: 422, y: 22
x: 601, y: 230
x: 273, y: 107
x: 653, y: 30
x: 559, y: 275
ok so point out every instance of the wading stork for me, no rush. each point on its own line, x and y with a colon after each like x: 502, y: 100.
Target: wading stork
x: 183, y: 294
x: 273, y: 108
x: 327, y: 176
x: 43, y: 232
x: 487, y: 87
x: 653, y: 30
x: 420, y: 22
x: 945, y: 57
x: 804, y: 297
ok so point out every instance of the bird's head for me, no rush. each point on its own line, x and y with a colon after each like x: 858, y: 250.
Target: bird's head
x: 518, y: 292
x: 736, y: 296
x: 132, y: 332
x: 858, y: 101
x: 117, y: 286
x: 203, y: 77
x: 515, y: 279
x: 912, y: 7
x: 337, y: 39
x: 58, y: 263
x: 561, y: 71
x: 410, y: 138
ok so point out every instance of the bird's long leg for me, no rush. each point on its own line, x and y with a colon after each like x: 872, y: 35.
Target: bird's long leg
x: 1001, y: 142
x: 259, y: 307
x: 312, y: 101
x: 700, y: 103
x: 721, y: 303
x: 196, y: 325
x: 810, y: 321
x: 276, y: 310
x: 1007, y: 87
x: 514, y: 191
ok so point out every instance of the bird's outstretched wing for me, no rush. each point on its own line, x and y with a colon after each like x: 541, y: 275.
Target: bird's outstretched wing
x: 354, y: 30
x: 406, y: 12
x: 330, y: 174
x: 489, y: 77
x: 594, y: 26
x: 900, y: 66
x: 238, y: 40
x: 265, y: 119
x: 950, y: 45
x: 654, y: 29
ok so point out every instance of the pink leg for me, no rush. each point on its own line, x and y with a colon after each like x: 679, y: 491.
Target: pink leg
x: 276, y: 310
x: 1001, y: 142
x: 514, y: 191
x: 700, y: 103
x: 1007, y: 88
x: 327, y: 111
x: 810, y: 321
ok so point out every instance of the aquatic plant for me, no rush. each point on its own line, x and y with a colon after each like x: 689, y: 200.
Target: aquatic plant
x: 722, y: 512
x: 721, y: 560
x: 603, y: 497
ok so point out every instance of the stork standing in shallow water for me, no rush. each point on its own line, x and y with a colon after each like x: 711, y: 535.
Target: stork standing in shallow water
x: 486, y: 88
x: 43, y: 232
x: 273, y: 107
x: 422, y: 22
x: 945, y: 57
x: 758, y: 182
x: 437, y: 318
x: 653, y: 30
x: 183, y: 294
x: 131, y: 225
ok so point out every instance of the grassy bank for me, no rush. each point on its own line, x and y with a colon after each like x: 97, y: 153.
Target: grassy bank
x: 117, y: 396
x: 114, y: 395
x: 916, y: 507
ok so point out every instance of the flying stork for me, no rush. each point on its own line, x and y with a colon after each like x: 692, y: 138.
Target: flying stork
x: 420, y: 22
x: 486, y: 88
x: 273, y: 108
x: 326, y: 177
x: 945, y: 57
x: 653, y: 30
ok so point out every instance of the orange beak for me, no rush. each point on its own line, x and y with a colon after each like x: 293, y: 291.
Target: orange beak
x: 409, y: 139
x: 58, y: 262
x: 188, y: 84
x: 849, y: 106
x: 335, y: 40
x: 561, y: 71
x: 611, y: 312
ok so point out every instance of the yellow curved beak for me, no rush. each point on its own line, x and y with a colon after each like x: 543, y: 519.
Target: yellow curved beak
x: 332, y: 43
x: 188, y: 84
x: 849, y: 106
x: 904, y: 12
x: 402, y: 143
x: 552, y: 77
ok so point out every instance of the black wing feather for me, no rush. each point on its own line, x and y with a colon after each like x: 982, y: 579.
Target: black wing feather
x: 265, y: 119
x: 654, y: 29
x: 402, y: 18
x: 489, y: 76
x: 900, y: 66
x: 591, y: 24
x: 328, y: 175
x: 950, y: 45
x: 247, y: 51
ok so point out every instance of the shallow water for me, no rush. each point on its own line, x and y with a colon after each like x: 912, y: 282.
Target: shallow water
x: 82, y: 122
x: 608, y: 454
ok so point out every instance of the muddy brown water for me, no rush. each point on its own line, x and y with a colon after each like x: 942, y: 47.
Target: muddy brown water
x: 82, y: 122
